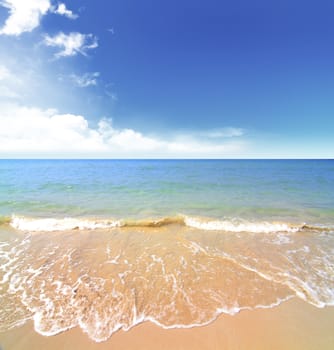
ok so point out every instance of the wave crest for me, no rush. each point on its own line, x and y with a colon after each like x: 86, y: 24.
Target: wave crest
x: 64, y: 224
x: 241, y: 226
x: 227, y: 225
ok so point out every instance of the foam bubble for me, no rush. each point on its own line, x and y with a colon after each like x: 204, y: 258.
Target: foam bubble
x: 53, y: 224
x: 228, y: 225
x: 240, y: 226
x: 174, y: 278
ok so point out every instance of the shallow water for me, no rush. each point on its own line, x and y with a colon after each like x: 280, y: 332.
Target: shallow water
x: 283, y: 190
x: 106, y: 270
x: 106, y: 279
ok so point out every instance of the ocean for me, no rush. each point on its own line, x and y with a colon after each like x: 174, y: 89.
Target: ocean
x: 106, y: 244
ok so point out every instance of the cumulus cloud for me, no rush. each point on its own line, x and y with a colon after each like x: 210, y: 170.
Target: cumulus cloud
x: 71, y: 44
x: 63, y: 11
x: 25, y: 129
x: 24, y: 15
x: 85, y: 80
x: 33, y: 131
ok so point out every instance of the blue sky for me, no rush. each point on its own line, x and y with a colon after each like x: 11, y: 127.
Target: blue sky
x: 171, y: 79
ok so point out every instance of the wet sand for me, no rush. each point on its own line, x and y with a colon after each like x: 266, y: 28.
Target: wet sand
x: 292, y: 325
x: 104, y: 280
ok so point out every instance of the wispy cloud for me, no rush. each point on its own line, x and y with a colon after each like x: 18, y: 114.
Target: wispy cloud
x: 8, y: 84
x: 71, y: 44
x: 224, y: 132
x: 4, y: 73
x: 85, y: 80
x: 24, y: 15
x: 35, y: 131
x: 109, y: 91
x: 7, y: 93
x: 62, y: 10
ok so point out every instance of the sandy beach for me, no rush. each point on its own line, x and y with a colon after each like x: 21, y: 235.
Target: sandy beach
x: 259, y: 278
x: 166, y: 175
x: 292, y: 325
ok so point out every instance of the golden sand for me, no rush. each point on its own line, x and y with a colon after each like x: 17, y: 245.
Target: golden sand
x: 293, y: 325
x: 98, y: 282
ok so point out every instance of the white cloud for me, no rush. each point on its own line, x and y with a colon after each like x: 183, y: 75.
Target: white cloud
x: 8, y: 83
x: 7, y: 76
x: 29, y: 132
x: 7, y: 93
x: 24, y: 15
x: 225, y: 132
x: 109, y: 91
x: 63, y: 11
x: 88, y: 79
x: 4, y: 73
x: 71, y: 44
x: 33, y: 130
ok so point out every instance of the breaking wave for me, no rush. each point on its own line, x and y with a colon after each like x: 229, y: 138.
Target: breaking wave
x: 23, y: 223
x: 175, y: 278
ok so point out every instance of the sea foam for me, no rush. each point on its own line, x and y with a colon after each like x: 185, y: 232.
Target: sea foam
x: 228, y: 225
x: 63, y: 224
x: 240, y: 226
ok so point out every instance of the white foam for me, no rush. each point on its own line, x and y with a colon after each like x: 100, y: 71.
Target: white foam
x: 53, y: 224
x: 240, y: 226
x: 229, y: 225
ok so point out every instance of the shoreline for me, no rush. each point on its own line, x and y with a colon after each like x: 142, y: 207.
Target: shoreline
x: 292, y: 325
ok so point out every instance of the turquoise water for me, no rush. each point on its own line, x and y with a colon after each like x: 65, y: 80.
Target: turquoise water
x: 104, y: 245
x: 288, y: 190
